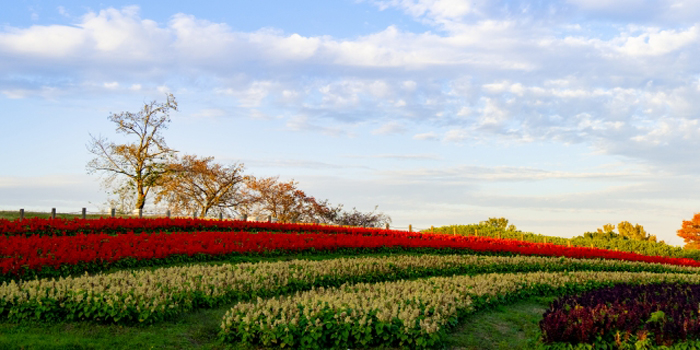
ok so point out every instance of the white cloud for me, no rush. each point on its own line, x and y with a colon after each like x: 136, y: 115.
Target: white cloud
x: 390, y: 128
x: 111, y: 85
x: 16, y: 93
x: 409, y: 85
x: 302, y: 123
x: 655, y: 42
x: 464, y: 112
x: 48, y: 41
x: 426, y: 136
x: 253, y: 96
x: 62, y: 11
x: 470, y: 173
x: 608, y: 6
x: 433, y: 10
x: 457, y: 135
x: 492, y: 114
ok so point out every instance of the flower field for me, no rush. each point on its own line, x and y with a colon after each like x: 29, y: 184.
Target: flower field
x: 132, y: 272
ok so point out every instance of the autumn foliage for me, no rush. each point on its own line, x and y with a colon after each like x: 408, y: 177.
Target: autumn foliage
x: 690, y: 232
x: 198, y: 184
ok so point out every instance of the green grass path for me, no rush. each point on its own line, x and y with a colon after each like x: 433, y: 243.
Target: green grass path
x: 512, y: 326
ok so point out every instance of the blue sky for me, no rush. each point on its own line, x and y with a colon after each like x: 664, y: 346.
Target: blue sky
x: 559, y: 115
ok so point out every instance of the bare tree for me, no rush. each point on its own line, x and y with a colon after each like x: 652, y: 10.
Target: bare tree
x: 358, y: 218
x: 138, y: 165
x: 199, y: 184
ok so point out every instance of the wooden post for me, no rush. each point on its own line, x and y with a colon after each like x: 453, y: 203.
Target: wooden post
x: 53, y: 213
x: 21, y: 215
x: 84, y: 213
x: 167, y: 213
x: 113, y: 212
x: 410, y: 228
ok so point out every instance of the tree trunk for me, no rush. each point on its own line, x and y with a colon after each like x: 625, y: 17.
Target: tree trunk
x: 141, y: 197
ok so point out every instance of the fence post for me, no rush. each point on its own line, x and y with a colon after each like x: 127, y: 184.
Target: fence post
x: 410, y: 228
x: 53, y: 213
x: 84, y: 213
x: 21, y: 215
x: 113, y: 212
x: 140, y: 213
x: 167, y: 213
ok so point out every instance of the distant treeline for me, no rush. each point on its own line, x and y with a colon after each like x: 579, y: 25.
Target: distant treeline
x: 605, y: 239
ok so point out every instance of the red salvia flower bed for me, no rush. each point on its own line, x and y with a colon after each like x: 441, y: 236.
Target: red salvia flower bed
x: 19, y: 253
x: 67, y: 227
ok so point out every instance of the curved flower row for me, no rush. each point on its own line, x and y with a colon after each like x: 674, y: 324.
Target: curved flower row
x: 404, y: 313
x: 153, y: 295
x: 70, y: 227
x: 19, y: 254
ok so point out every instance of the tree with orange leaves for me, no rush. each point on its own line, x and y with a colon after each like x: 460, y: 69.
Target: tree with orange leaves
x: 199, y: 184
x: 690, y: 232
x: 281, y: 200
x: 287, y: 203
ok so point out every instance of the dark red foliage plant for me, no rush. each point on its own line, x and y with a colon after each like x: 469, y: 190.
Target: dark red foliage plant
x: 664, y: 313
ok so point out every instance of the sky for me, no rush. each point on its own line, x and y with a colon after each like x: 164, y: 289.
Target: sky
x: 561, y: 116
